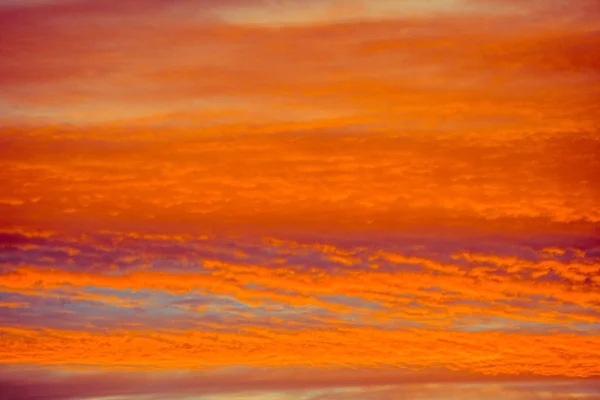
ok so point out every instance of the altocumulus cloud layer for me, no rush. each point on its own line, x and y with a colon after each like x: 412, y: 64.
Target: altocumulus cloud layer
x: 317, y: 200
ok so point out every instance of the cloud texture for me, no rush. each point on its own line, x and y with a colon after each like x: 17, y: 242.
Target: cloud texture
x: 312, y: 200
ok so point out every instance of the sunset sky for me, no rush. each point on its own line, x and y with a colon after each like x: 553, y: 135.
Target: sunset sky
x: 299, y: 199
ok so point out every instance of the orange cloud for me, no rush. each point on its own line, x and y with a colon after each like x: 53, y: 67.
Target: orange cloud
x: 190, y: 185
x: 489, y: 352
x: 337, y: 181
x: 461, y: 292
x: 459, y: 71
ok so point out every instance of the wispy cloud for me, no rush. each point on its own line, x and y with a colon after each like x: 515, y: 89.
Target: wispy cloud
x: 303, y: 383
x: 299, y: 199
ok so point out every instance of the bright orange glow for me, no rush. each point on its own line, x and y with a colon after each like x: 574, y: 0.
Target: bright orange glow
x: 316, y: 199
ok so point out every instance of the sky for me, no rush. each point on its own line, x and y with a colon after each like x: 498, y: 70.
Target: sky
x: 299, y: 200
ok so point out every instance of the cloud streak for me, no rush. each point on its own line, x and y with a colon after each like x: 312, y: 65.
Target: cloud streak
x: 299, y: 382
x: 314, y: 200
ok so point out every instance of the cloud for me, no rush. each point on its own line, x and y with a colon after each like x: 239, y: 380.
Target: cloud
x: 163, y: 68
x: 339, y: 182
x: 198, y: 184
x: 428, y: 280
x: 491, y: 352
x: 300, y: 382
